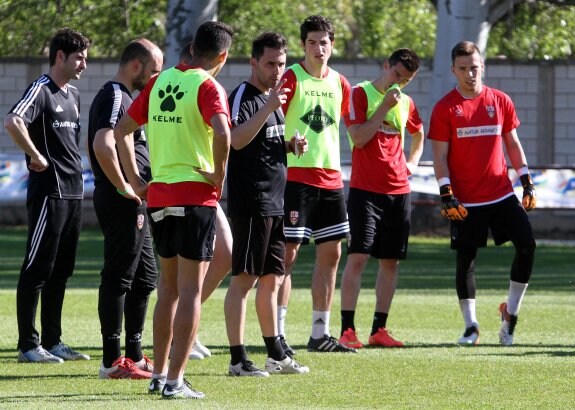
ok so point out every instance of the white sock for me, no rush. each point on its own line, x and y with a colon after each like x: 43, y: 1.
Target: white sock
x: 515, y: 297
x: 467, y: 307
x: 159, y: 376
x: 319, y: 324
x: 282, y: 313
x: 177, y: 382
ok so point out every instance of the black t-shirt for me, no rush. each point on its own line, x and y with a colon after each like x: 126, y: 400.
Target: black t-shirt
x: 256, y: 173
x: 109, y: 105
x: 52, y: 116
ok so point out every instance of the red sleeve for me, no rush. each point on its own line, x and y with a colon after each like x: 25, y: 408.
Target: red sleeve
x: 291, y: 84
x: 511, y: 121
x: 357, y: 112
x: 439, y: 124
x: 346, y: 91
x: 212, y: 100
x: 139, y: 108
x: 414, y: 123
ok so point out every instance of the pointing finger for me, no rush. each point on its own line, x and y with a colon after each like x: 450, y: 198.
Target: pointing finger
x: 283, y: 91
x: 280, y: 84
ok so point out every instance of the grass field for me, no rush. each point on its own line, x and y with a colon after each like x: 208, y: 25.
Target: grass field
x: 430, y: 372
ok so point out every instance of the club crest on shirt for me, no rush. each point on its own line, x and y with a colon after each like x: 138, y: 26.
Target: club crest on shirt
x: 490, y: 110
x: 293, y: 217
x: 140, y: 222
x: 317, y: 119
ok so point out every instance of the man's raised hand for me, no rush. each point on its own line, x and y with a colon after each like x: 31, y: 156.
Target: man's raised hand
x: 277, y: 95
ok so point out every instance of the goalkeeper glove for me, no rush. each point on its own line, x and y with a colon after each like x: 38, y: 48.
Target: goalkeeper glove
x: 529, y: 200
x: 450, y: 206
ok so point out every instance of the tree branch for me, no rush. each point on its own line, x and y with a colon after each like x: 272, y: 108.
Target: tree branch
x: 499, y: 9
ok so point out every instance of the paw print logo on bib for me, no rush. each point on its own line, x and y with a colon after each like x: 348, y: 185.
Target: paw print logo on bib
x: 169, y: 97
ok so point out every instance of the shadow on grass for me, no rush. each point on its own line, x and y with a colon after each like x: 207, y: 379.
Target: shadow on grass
x: 10, y: 355
x: 76, y: 347
x: 70, y: 398
x: 430, y: 265
x: 59, y: 376
x: 562, y: 353
x: 566, y: 350
x: 518, y: 350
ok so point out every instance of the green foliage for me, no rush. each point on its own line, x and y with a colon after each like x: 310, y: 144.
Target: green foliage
x: 386, y: 26
x: 370, y: 28
x: 251, y: 18
x: 26, y: 26
x: 364, y: 28
x: 536, y: 30
x: 374, y: 28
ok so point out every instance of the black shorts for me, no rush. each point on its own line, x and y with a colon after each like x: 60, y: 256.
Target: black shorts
x: 259, y: 245
x: 379, y: 224
x: 187, y: 231
x: 312, y: 211
x: 506, y: 219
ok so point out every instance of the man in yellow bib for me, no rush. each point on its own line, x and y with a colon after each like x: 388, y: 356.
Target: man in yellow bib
x: 314, y: 197
x: 189, y: 138
x: 379, y: 202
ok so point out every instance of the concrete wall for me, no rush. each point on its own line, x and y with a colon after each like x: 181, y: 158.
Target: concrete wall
x: 544, y: 94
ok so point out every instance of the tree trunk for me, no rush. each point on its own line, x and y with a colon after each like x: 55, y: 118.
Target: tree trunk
x: 459, y: 20
x: 183, y: 19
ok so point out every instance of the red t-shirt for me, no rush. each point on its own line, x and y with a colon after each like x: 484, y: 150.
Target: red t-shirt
x: 474, y: 127
x: 212, y: 100
x: 379, y: 166
x: 318, y: 177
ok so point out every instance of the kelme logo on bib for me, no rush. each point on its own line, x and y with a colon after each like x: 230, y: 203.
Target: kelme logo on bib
x: 317, y: 119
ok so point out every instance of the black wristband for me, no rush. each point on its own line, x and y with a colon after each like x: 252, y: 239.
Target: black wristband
x: 446, y: 194
x: 526, y: 181
x: 445, y: 190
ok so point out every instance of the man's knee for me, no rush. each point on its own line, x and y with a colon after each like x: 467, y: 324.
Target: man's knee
x: 465, y: 261
x: 526, y: 249
x: 355, y: 264
x: 115, y: 282
x: 328, y: 253
x: 143, y: 289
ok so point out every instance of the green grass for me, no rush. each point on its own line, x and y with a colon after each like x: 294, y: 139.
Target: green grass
x: 431, y: 372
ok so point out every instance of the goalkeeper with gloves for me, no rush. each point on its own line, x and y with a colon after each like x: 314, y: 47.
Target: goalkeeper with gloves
x: 468, y: 129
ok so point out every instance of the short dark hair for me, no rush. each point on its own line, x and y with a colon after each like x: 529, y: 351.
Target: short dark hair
x: 269, y: 39
x: 405, y: 56
x: 211, y: 39
x: 185, y: 53
x: 135, y: 50
x: 463, y: 49
x: 316, y: 23
x: 69, y: 41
